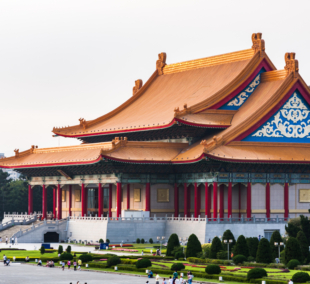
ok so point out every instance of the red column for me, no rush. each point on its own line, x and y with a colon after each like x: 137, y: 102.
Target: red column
x: 214, y: 199
x: 229, y: 205
x: 44, y: 202
x: 70, y: 200
x: 83, y: 200
x: 239, y: 205
x: 128, y: 196
x: 196, y: 200
x: 267, y: 200
x: 100, y: 200
x: 185, y: 200
x: 148, y: 197
x: 30, y: 200
x: 248, y: 203
x: 86, y: 198
x: 189, y: 201
x: 118, y: 199
x: 222, y: 201
x: 59, y: 204
x: 199, y: 200
x: 54, y: 202
x: 110, y: 200
x: 176, y: 200
x: 286, y: 200
x: 207, y: 201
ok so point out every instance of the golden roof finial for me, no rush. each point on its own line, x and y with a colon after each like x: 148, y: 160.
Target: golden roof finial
x: 137, y: 87
x: 83, y: 123
x: 258, y: 43
x: 161, y: 63
x: 16, y: 152
x: 291, y: 64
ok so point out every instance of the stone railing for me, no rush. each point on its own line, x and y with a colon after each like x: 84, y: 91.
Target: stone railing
x: 187, y: 219
x: 21, y: 216
x: 13, y: 222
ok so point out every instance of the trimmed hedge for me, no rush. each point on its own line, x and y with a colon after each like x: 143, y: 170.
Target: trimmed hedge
x: 143, y: 263
x: 213, y: 269
x: 293, y: 263
x: 85, y: 257
x: 177, y: 266
x: 114, y: 260
x: 301, y: 277
x: 255, y: 273
x: 239, y: 259
x: 66, y: 256
x: 129, y: 261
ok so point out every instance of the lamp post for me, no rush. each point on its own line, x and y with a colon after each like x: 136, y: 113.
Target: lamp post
x: 228, y: 242
x: 160, y: 240
x: 183, y: 240
x: 278, y: 245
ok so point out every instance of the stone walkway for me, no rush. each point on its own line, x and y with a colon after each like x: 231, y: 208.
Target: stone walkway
x: 28, y: 274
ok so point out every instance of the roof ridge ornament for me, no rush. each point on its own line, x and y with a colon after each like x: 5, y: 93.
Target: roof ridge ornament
x: 258, y: 44
x: 32, y: 148
x: 161, y: 63
x: 16, y: 153
x: 137, y: 87
x: 121, y: 141
x: 178, y: 112
x: 291, y: 64
x: 213, y: 142
x: 83, y: 123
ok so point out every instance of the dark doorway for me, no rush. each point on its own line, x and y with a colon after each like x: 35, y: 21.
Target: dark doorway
x: 51, y: 237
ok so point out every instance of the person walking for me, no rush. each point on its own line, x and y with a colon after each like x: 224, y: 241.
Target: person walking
x: 4, y: 259
x: 12, y: 241
x: 79, y: 263
x: 157, y: 278
x: 175, y: 276
x: 6, y: 240
x: 190, y: 277
x: 74, y: 265
x: 63, y: 266
x: 69, y: 264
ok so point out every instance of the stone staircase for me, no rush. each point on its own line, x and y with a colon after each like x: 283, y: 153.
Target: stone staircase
x: 13, y: 230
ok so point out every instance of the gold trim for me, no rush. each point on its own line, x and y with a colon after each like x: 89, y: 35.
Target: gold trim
x: 298, y: 211
x: 280, y: 211
x: 259, y: 211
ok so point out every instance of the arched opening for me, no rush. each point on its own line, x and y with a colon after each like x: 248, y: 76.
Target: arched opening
x: 51, y: 237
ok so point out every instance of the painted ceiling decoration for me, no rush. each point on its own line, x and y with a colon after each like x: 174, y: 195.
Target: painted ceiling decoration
x: 290, y: 124
x: 240, y: 99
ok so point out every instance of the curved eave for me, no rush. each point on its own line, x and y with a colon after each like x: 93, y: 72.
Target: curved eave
x: 47, y: 165
x: 251, y: 161
x: 201, y: 157
x: 202, y: 125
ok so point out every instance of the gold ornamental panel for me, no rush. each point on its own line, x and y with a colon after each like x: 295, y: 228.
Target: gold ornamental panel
x: 137, y: 195
x: 304, y: 195
x: 77, y: 195
x: 163, y: 195
x: 63, y: 196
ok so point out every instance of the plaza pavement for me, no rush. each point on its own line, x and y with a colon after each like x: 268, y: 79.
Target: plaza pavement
x: 29, y: 274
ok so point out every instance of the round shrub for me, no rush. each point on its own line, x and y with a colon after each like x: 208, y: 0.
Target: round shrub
x: 150, y: 240
x: 143, y: 263
x: 66, y: 256
x: 293, y: 263
x: 114, y: 260
x: 85, y: 257
x: 108, y: 241
x: 213, y: 269
x: 177, y: 266
x: 178, y: 255
x: 256, y: 273
x: 301, y: 277
x: 101, y: 241
x: 142, y: 241
x: 239, y: 259
x: 138, y: 241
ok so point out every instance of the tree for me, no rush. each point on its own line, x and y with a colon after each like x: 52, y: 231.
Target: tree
x: 292, y: 230
x: 216, y: 246
x: 172, y: 243
x: 241, y: 247
x: 228, y: 235
x: 275, y: 238
x: 305, y: 226
x: 303, y: 243
x: 292, y: 250
x: 264, y: 253
x: 193, y: 246
x: 68, y: 249
x: 42, y: 249
x: 60, y: 249
x: 252, y: 245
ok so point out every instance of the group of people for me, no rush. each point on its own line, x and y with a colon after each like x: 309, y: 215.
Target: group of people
x: 172, y: 280
x: 13, y: 240
x: 51, y: 263
x: 6, y: 261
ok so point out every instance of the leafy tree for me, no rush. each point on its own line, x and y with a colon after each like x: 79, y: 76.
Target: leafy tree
x: 304, y: 246
x: 60, y: 249
x: 241, y: 247
x: 252, y: 245
x: 138, y: 241
x: 292, y: 230
x: 292, y: 250
x: 216, y: 246
x: 193, y: 246
x: 264, y: 253
x: 42, y: 249
x: 305, y: 226
x: 68, y: 249
x: 275, y: 237
x: 142, y: 241
x: 101, y: 241
x: 150, y: 240
x: 228, y: 235
x: 173, y: 242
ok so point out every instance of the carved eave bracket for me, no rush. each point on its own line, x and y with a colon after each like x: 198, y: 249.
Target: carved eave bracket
x: 119, y: 142
x: 32, y: 148
x: 211, y: 144
x: 161, y: 63
x: 83, y: 123
x: 258, y: 44
x: 137, y: 87
x: 16, y: 153
x: 291, y: 64
x: 178, y: 112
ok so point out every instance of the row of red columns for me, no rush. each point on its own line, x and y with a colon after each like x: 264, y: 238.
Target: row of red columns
x: 197, y: 195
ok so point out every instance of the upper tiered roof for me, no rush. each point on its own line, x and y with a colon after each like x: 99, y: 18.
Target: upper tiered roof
x: 178, y: 93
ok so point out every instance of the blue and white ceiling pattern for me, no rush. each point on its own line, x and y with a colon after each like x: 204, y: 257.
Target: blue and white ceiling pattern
x: 291, y: 123
x: 240, y: 99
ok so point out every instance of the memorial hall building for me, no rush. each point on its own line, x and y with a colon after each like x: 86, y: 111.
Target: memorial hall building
x: 221, y: 137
